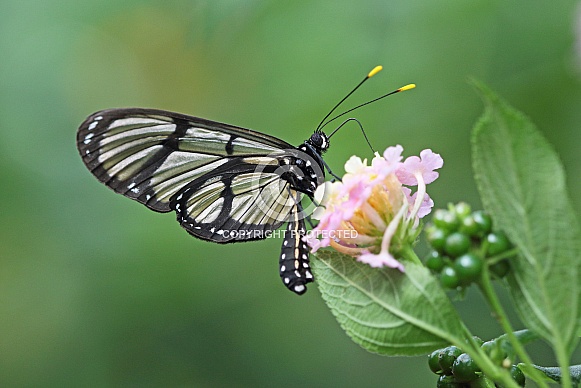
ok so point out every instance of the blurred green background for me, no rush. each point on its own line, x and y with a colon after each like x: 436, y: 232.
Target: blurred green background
x: 95, y: 290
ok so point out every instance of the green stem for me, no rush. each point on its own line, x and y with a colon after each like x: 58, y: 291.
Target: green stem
x: 564, y: 364
x: 408, y: 253
x: 501, y: 256
x: 500, y: 315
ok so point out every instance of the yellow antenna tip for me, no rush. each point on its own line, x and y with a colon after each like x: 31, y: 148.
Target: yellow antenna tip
x: 375, y: 70
x: 407, y: 87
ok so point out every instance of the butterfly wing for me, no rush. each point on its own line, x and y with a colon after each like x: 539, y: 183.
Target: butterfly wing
x: 243, y: 199
x: 149, y: 155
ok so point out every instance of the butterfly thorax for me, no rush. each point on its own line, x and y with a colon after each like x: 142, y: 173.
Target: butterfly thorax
x: 303, y: 168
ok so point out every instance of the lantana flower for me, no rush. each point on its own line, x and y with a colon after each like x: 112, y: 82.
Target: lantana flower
x: 372, y: 213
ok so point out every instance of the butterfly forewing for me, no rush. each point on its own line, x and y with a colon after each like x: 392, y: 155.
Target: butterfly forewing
x: 149, y: 155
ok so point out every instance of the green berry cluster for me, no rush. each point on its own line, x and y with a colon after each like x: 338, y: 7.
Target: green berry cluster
x: 462, y: 241
x: 458, y: 370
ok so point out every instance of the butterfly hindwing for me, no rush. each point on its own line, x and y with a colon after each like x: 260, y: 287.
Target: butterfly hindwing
x: 242, y: 200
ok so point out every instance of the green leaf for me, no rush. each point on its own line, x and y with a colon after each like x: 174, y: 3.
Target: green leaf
x: 387, y: 311
x: 522, y: 184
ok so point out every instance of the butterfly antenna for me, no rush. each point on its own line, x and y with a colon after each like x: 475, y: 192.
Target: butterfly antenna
x: 360, y: 127
x: 402, y: 89
x: 375, y: 70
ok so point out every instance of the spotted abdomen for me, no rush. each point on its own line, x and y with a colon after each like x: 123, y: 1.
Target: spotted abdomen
x: 295, y: 270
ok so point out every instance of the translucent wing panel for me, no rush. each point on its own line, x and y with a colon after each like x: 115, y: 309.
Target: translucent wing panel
x: 225, y: 207
x: 203, y: 140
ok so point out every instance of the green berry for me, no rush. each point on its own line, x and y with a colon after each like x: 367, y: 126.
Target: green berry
x: 468, y: 268
x: 469, y: 226
x: 436, y: 238
x: 462, y: 209
x: 446, y: 220
x: 448, y: 382
x: 500, y: 268
x: 465, y: 369
x: 483, y: 220
x: 449, y: 278
x: 497, y: 243
x: 435, y: 261
x: 478, y: 340
x: 517, y: 375
x: 457, y: 244
x: 447, y: 357
x: 434, y: 361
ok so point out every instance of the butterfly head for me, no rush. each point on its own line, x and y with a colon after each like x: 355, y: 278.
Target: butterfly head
x: 319, y: 141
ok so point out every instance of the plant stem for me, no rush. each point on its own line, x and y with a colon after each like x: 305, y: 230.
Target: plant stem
x: 408, y: 253
x: 500, y: 315
x: 564, y: 364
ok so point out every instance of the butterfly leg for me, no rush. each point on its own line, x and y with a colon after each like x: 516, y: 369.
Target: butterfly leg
x: 322, y: 161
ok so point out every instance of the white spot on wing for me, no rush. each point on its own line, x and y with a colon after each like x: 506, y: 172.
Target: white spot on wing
x: 88, y: 138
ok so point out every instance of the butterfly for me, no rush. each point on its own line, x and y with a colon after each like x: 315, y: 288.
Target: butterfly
x: 226, y: 184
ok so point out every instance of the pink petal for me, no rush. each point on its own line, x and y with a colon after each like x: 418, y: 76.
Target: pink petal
x: 312, y: 241
x: 424, y: 165
x: 425, y: 207
x: 405, y: 172
x: 383, y: 259
x: 393, y: 154
x: 431, y: 160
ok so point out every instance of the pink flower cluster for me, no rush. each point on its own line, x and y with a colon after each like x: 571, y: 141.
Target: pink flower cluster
x: 372, y: 203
